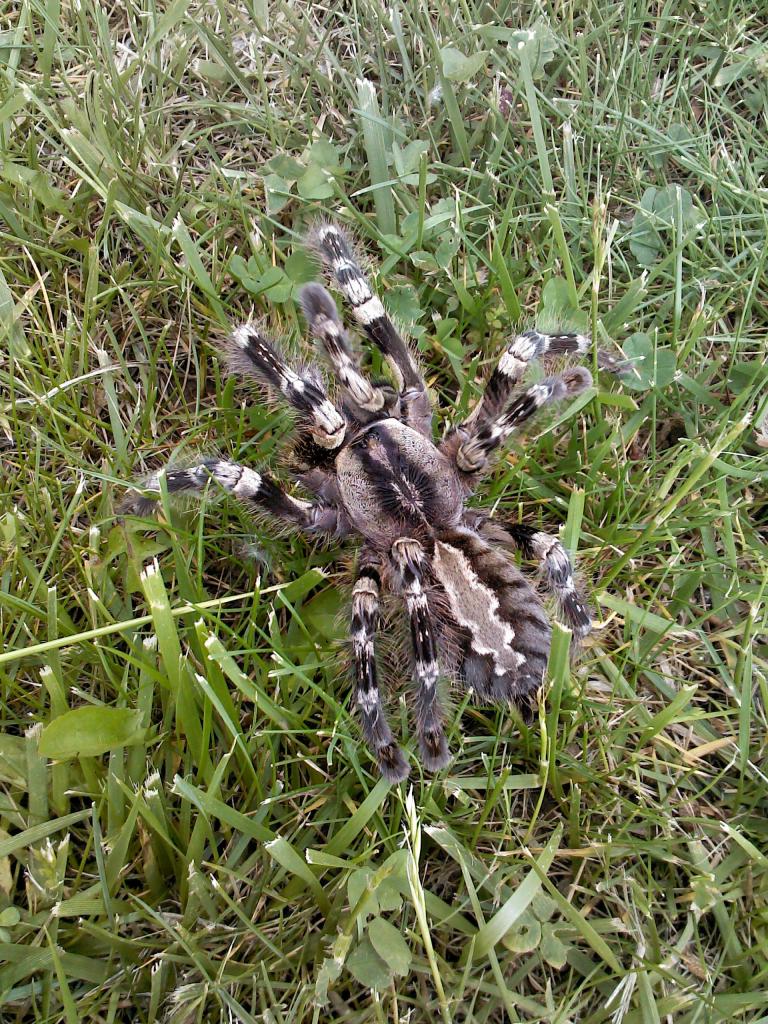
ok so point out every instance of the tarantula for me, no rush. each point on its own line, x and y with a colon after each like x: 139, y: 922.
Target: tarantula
x: 376, y: 473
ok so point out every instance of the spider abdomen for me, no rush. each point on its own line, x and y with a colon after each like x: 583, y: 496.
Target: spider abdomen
x: 505, y: 627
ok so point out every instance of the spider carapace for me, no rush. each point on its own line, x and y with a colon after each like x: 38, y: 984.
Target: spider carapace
x: 377, y: 474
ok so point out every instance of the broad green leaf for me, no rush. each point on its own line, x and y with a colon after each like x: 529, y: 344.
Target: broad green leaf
x: 272, y: 282
x: 277, y: 192
x: 368, y: 967
x: 246, y: 273
x: 407, y: 158
x: 645, y: 241
x: 10, y: 328
x: 390, y: 945
x: 525, y: 936
x: 552, y: 948
x: 13, y: 760
x: 358, y: 884
x: 459, y: 68
x: 11, y: 916
x: 319, y: 621
x: 39, y: 184
x: 754, y: 101
x: 90, y: 731
x: 557, y: 309
x: 314, y: 183
x: 328, y: 973
x: 679, y: 134
x: 665, y: 205
x: 446, y: 250
x: 390, y: 889
x: 285, y: 166
x: 384, y: 886
x: 324, y: 154
x: 732, y: 72
x: 543, y: 907
x: 300, y: 268
x: 389, y: 894
x: 556, y: 296
x: 297, y: 589
x: 321, y: 614
x: 449, y: 337
x: 212, y: 71
x: 582, y: 925
x: 651, y: 367
x: 423, y: 260
x: 403, y: 304
x: 654, y: 221
x: 538, y: 44
x: 512, y: 909
x: 339, y: 950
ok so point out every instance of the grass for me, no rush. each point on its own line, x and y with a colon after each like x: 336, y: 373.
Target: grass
x: 206, y: 841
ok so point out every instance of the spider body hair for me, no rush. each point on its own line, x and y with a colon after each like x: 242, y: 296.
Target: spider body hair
x: 368, y: 457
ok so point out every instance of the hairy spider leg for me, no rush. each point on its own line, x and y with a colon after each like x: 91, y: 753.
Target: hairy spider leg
x: 482, y: 438
x: 375, y: 727
x: 325, y: 325
x: 256, y: 491
x: 521, y: 351
x: 409, y: 559
x: 558, y: 572
x: 337, y: 253
x: 250, y: 352
x: 556, y: 567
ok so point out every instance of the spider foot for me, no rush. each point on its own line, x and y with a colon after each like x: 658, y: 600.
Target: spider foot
x: 392, y: 763
x: 433, y: 748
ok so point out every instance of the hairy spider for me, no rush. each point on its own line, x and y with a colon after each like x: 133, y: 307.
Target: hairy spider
x: 376, y: 473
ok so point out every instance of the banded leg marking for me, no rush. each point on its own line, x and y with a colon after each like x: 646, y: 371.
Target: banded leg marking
x: 558, y: 572
x: 251, y: 352
x: 256, y: 490
x: 325, y: 325
x: 410, y: 564
x: 485, y: 437
x: 337, y: 254
x: 375, y: 727
x: 521, y: 351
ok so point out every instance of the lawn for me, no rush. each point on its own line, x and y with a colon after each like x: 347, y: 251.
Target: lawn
x: 206, y: 838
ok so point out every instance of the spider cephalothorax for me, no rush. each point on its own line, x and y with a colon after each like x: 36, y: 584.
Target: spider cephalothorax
x: 376, y: 473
